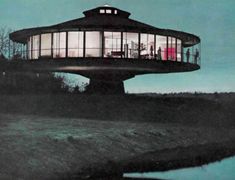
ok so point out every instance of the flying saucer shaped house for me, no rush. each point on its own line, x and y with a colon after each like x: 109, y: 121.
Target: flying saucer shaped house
x: 108, y: 47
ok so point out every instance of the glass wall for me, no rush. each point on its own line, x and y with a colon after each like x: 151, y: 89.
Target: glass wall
x: 171, y: 48
x: 195, y: 54
x: 191, y: 55
x: 59, y: 45
x: 75, y: 44
x: 198, y: 54
x: 93, y: 44
x: 130, y: 45
x: 35, y: 48
x: 29, y: 47
x: 161, y: 47
x: 179, y: 50
x: 112, y: 45
x: 45, y: 45
x: 147, y: 47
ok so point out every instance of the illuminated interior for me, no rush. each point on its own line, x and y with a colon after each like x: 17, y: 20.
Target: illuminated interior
x: 108, y: 44
x: 147, y: 47
x: 130, y: 45
x: 75, y: 44
x: 161, y: 47
x: 93, y: 44
x: 112, y: 45
x: 36, y: 44
x: 46, y: 45
x: 179, y: 50
x: 59, y: 45
x: 171, y: 48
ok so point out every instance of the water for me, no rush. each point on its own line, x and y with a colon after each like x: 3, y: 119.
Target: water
x: 221, y: 170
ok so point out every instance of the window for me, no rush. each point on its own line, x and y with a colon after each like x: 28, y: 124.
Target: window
x: 147, y: 46
x: 93, y: 44
x: 46, y: 45
x: 59, y: 45
x: 192, y: 54
x: 179, y: 49
x: 130, y: 45
x: 161, y: 45
x: 75, y: 44
x: 115, y: 11
x: 29, y: 47
x: 102, y: 11
x: 112, y: 44
x: 197, y: 54
x: 35, y: 48
x: 108, y: 11
x: 171, y: 48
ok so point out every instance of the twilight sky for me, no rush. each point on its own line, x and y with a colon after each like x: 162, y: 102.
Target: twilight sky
x: 212, y: 20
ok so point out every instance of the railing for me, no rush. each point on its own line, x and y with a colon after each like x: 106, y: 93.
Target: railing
x: 191, y: 58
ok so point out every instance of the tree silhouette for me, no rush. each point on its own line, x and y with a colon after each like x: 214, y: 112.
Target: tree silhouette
x: 18, y: 83
x: 9, y: 49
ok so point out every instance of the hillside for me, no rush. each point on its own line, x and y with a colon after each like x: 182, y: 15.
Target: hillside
x: 188, y: 109
x: 92, y: 136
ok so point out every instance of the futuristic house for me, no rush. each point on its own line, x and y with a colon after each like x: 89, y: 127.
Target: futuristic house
x: 108, y: 47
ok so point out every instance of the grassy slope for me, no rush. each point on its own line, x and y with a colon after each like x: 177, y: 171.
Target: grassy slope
x: 212, y: 110
x: 65, y: 136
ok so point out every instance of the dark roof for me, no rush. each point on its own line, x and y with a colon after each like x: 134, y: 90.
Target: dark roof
x: 93, y: 20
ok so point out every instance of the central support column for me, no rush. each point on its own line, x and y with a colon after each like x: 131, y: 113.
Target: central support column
x: 98, y: 86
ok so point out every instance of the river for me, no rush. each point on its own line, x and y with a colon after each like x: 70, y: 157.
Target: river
x: 220, y: 170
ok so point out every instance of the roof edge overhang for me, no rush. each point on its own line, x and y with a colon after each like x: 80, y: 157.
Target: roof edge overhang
x: 90, y: 24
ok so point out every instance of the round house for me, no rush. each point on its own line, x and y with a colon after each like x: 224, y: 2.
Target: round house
x: 108, y: 47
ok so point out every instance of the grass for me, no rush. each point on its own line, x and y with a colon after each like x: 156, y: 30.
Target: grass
x: 202, y: 109
x: 67, y: 136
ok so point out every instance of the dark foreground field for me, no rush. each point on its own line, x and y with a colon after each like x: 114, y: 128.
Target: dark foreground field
x: 94, y: 136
